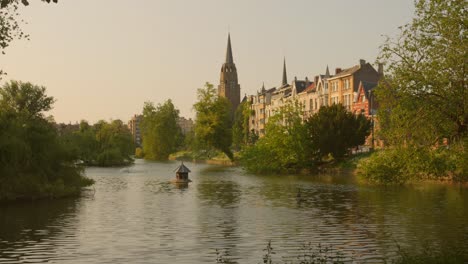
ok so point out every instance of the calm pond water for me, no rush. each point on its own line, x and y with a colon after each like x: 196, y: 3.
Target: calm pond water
x: 134, y: 215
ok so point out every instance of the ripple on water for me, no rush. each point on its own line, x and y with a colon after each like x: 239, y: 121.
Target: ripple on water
x: 134, y: 215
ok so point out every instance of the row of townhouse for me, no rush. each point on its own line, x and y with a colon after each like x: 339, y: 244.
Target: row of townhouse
x: 351, y: 87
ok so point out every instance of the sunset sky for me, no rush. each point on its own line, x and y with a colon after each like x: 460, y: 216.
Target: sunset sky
x: 103, y: 59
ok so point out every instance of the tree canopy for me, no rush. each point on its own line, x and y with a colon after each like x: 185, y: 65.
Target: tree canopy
x: 424, y: 96
x: 285, y: 146
x: 213, y: 121
x: 160, y: 131
x: 334, y: 130
x: 33, y: 161
x: 103, y: 144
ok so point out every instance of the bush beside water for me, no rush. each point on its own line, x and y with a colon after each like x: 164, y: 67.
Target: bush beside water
x: 399, y: 165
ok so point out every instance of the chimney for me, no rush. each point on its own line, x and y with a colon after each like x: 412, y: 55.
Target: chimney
x: 337, y: 70
x: 380, y: 71
x: 295, y: 78
x: 362, y: 62
x: 316, y: 80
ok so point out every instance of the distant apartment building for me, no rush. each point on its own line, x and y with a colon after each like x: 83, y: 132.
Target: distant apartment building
x: 186, y: 125
x: 344, y: 84
x: 134, y: 127
x: 323, y: 90
x: 259, y: 114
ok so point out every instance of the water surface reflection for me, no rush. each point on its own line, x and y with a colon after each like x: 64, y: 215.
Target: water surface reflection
x: 136, y: 215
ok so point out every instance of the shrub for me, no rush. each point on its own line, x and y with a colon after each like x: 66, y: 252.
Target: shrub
x: 402, y: 164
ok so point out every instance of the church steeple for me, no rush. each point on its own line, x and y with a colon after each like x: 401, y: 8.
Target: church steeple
x: 229, y: 58
x: 327, y: 72
x: 285, y: 78
x: 228, y: 84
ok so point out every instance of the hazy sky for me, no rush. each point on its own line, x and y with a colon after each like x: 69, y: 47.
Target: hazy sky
x: 101, y: 59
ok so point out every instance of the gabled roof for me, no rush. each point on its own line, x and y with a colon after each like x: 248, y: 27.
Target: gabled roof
x: 348, y: 71
x: 182, y: 169
x: 310, y: 88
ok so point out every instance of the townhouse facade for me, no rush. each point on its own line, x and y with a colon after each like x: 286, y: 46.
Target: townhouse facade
x: 350, y: 87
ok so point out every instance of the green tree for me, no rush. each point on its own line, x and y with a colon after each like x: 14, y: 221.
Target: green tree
x: 334, y: 130
x: 33, y: 162
x: 103, y: 144
x: 240, y: 129
x: 425, y: 96
x: 213, y: 122
x: 160, y: 132
x: 25, y: 98
x: 285, y: 146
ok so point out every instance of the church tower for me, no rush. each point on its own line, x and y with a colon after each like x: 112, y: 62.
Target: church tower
x: 228, y: 85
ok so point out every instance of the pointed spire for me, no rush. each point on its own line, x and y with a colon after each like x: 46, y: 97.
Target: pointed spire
x: 285, y: 78
x: 229, y: 58
x: 263, y: 87
x: 327, y: 72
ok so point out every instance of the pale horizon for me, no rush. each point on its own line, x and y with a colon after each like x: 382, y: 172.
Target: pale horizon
x: 103, y: 60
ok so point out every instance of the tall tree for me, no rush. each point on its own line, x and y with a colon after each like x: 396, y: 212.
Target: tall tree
x: 33, y: 162
x: 425, y: 96
x: 333, y: 130
x: 213, y: 121
x: 160, y: 132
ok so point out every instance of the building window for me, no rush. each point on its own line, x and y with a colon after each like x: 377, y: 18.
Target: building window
x: 346, y: 84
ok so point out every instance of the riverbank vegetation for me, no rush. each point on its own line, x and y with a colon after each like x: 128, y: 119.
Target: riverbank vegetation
x: 103, y: 144
x: 291, y: 144
x: 34, y: 162
x: 423, y: 100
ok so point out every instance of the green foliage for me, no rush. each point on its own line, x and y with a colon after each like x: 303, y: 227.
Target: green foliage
x: 213, y: 121
x: 33, y: 162
x: 103, y: 144
x: 424, y: 97
x: 25, y: 98
x: 285, y: 146
x: 240, y: 129
x: 333, y: 130
x: 399, y: 165
x: 160, y: 132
